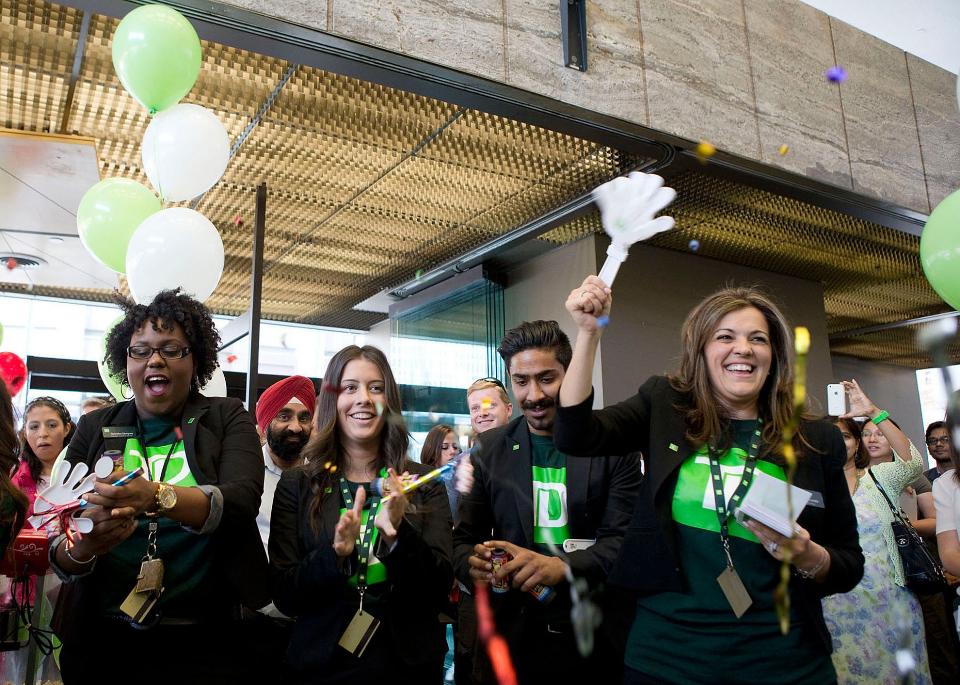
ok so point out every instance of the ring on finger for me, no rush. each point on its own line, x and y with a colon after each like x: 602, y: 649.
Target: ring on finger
x: 772, y: 547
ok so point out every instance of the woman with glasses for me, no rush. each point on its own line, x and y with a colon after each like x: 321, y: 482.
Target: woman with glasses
x: 152, y: 593
x: 880, y: 607
x: 47, y: 428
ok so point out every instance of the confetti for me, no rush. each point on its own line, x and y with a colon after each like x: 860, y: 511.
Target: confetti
x: 238, y: 220
x: 11, y: 263
x: 705, y: 150
x: 694, y: 245
x: 836, y: 74
x: 333, y: 389
x: 419, y: 273
x: 379, y: 408
x: 603, y: 321
x: 783, y: 149
x: 231, y: 358
x: 486, y: 404
x: 327, y: 465
x: 333, y: 469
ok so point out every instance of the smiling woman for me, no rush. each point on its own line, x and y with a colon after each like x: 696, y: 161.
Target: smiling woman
x: 365, y: 573
x: 174, y: 555
x: 702, y: 576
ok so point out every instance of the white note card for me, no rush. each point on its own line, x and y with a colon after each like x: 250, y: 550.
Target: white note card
x: 766, y: 502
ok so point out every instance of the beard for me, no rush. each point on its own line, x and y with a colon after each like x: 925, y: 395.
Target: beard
x: 545, y: 422
x: 286, y: 445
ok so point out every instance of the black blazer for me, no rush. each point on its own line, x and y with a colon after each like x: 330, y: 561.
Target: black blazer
x: 649, y: 422
x: 600, y: 498
x: 223, y: 449
x: 310, y: 583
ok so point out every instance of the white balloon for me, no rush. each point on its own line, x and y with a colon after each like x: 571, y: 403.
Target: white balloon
x: 174, y: 248
x: 217, y: 386
x: 184, y: 151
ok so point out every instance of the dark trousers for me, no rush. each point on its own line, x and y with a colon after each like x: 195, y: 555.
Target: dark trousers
x: 941, y: 639
x: 109, y: 652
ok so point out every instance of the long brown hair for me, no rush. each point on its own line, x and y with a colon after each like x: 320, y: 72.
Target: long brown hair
x: 430, y: 454
x: 325, y: 448
x: 26, y: 452
x: 9, y: 450
x: 706, y: 418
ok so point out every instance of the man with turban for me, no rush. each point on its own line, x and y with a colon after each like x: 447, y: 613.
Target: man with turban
x: 284, y: 421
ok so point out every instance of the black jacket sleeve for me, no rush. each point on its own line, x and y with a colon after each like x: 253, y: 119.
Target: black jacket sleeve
x: 595, y: 563
x: 240, y: 470
x: 476, y: 520
x: 621, y: 428
x: 839, y: 536
x: 302, y: 580
x: 419, y: 566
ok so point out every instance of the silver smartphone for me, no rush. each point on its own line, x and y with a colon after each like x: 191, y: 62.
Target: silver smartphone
x: 836, y: 400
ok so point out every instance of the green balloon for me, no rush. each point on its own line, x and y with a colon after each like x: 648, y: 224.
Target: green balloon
x: 108, y: 215
x: 940, y: 249
x: 1, y: 333
x: 156, y: 54
x: 115, y: 387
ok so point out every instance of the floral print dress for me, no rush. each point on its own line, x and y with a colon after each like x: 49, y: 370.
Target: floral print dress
x: 877, y: 618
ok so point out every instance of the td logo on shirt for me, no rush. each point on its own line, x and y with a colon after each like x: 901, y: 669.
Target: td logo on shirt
x: 549, y: 505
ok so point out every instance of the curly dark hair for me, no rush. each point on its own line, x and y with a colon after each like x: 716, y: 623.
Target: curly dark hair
x: 167, y: 308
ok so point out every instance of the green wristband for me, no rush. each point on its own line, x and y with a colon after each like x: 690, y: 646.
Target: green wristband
x: 880, y: 418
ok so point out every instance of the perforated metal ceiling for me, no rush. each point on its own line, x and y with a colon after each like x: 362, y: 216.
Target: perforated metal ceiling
x: 368, y: 185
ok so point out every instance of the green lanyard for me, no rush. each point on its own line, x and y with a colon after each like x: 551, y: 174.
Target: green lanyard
x: 365, y: 538
x: 724, y: 509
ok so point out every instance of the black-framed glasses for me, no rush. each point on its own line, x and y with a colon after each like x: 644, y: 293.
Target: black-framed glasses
x: 491, y: 379
x: 169, y: 351
x: 945, y: 440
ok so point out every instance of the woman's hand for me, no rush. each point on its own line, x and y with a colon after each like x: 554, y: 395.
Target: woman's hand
x: 110, y: 528
x: 860, y: 404
x: 348, y: 527
x: 139, y: 495
x: 588, y: 302
x: 390, y: 513
x: 805, y: 554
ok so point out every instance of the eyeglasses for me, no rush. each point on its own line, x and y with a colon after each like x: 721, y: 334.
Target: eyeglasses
x: 945, y: 440
x: 490, y: 379
x: 171, y: 351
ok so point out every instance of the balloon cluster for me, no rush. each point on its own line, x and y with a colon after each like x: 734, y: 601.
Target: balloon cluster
x: 185, y: 150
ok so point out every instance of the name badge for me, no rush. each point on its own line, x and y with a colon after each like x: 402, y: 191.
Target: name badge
x: 119, y: 431
x: 816, y: 500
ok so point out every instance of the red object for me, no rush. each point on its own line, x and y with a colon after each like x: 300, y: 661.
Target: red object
x: 497, y: 648
x: 278, y: 395
x: 27, y: 555
x: 13, y: 372
x: 11, y: 263
x: 332, y: 389
x: 238, y: 220
x: 231, y: 358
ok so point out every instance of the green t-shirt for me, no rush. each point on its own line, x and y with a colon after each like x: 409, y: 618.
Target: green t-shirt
x: 693, y: 636
x: 376, y: 571
x: 550, y: 517
x: 187, y: 557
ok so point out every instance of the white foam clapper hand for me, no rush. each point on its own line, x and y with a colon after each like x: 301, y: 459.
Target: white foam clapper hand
x: 627, y: 206
x: 68, y: 483
x: 463, y: 478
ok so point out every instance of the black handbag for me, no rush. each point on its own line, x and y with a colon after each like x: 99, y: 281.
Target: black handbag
x: 921, y: 570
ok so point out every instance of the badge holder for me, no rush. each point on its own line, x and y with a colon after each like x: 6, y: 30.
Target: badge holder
x: 142, y: 600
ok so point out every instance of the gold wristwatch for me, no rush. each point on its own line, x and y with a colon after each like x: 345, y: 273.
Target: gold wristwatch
x: 166, y: 498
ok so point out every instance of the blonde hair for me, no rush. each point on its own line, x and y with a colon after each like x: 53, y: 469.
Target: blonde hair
x: 484, y: 384
x: 705, y: 416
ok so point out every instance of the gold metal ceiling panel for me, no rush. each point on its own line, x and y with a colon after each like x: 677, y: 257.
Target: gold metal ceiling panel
x: 368, y: 185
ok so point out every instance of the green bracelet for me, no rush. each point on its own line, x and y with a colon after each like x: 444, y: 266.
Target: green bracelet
x: 880, y: 418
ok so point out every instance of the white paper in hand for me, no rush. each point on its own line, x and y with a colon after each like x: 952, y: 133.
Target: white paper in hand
x: 766, y: 502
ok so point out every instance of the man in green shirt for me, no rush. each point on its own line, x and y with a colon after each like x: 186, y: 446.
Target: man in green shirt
x: 533, y: 501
